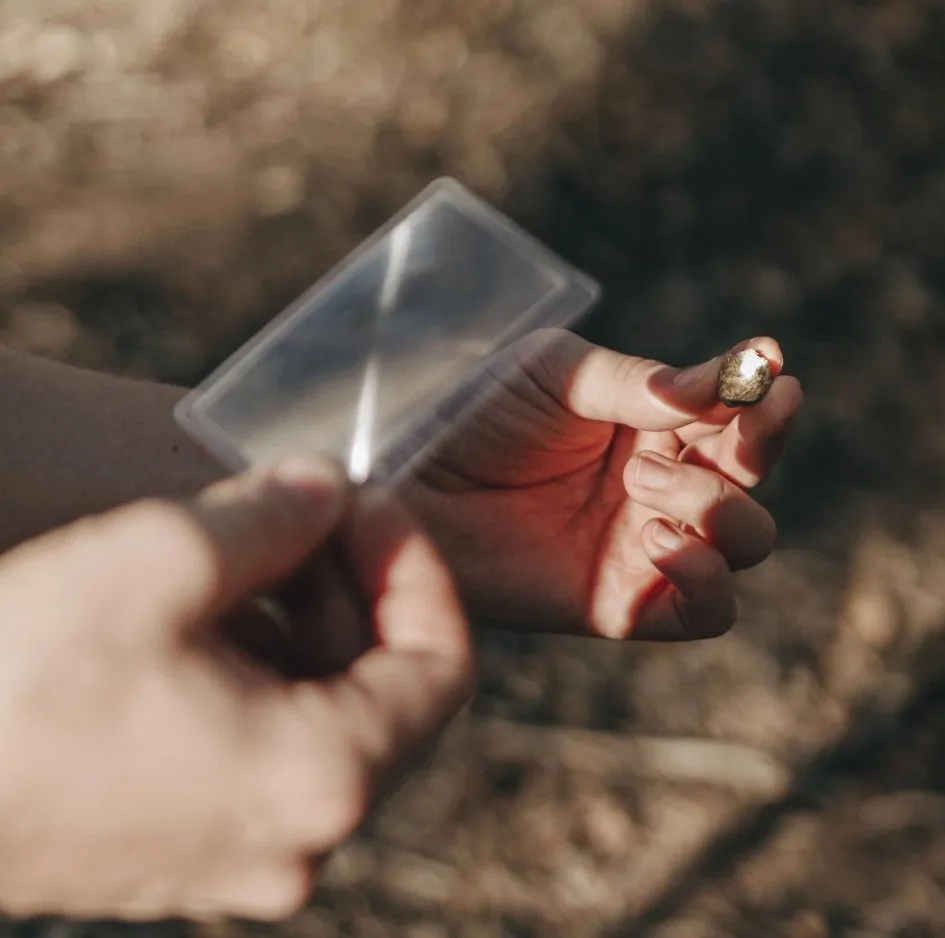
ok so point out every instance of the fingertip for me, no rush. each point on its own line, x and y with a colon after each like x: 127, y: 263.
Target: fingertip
x: 792, y: 392
x: 776, y: 410
x: 696, y: 389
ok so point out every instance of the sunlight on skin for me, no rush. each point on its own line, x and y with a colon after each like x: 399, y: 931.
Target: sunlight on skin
x: 550, y: 525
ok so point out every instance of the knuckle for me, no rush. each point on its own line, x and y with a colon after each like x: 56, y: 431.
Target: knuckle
x: 622, y: 376
x: 629, y: 372
x: 714, y: 508
x: 716, y: 495
x: 316, y: 808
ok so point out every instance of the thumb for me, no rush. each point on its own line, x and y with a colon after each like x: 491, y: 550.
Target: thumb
x: 601, y: 384
x: 255, y: 529
x: 183, y: 563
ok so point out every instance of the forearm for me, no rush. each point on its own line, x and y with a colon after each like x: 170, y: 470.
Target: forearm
x: 75, y: 442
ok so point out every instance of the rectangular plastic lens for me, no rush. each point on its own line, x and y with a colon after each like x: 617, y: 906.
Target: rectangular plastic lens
x: 361, y: 360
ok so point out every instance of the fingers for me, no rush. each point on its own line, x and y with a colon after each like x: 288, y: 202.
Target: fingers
x: 237, y: 538
x: 389, y: 703
x: 416, y: 605
x: 697, y: 599
x: 718, y: 510
x: 600, y: 384
x: 332, y: 618
x: 748, y: 447
x: 420, y: 671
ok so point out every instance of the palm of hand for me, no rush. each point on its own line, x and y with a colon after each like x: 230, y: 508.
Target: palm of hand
x: 535, y: 505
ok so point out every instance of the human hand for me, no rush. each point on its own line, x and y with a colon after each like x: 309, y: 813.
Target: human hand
x: 148, y: 766
x: 599, y: 493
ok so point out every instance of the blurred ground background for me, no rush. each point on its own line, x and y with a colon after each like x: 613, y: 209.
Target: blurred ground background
x: 172, y: 172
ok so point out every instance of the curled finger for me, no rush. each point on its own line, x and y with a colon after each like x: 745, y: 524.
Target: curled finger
x: 697, y: 598
x: 717, y: 509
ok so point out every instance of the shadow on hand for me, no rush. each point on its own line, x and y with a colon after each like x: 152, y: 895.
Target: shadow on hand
x: 319, y: 621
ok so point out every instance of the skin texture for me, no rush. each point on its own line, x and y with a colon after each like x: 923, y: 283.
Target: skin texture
x: 138, y: 740
x: 603, y: 494
x: 76, y: 442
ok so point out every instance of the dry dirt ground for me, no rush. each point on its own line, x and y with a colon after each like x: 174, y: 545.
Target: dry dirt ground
x: 173, y: 171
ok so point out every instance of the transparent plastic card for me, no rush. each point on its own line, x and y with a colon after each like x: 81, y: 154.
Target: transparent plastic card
x: 359, y: 365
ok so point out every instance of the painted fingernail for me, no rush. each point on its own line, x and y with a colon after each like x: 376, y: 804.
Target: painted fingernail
x: 652, y: 472
x: 666, y: 537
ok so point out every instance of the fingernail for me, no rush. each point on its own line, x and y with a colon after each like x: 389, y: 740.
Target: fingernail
x: 652, y: 472
x: 690, y: 376
x: 666, y: 537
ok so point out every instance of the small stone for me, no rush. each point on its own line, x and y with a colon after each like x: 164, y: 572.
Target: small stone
x: 745, y: 378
